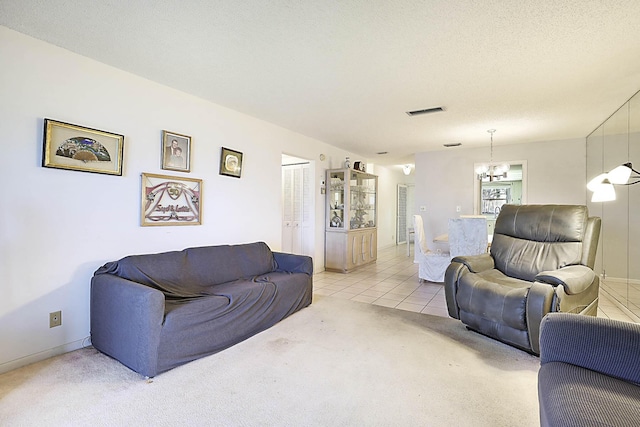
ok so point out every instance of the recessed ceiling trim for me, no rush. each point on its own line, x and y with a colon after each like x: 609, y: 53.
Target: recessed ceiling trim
x: 425, y: 111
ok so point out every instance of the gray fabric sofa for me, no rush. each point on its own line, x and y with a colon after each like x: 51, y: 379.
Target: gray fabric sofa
x: 589, y: 371
x: 154, y: 312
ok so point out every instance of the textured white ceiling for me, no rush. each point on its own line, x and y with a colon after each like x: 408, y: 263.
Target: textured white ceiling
x: 345, y: 72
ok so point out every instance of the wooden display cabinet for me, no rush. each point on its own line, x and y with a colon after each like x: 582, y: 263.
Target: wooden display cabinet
x: 351, y: 219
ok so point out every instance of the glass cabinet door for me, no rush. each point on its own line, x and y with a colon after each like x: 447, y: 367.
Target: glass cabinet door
x: 362, y: 208
x: 336, y: 199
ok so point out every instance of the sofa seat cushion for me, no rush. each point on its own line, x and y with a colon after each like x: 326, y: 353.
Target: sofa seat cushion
x: 288, y: 284
x: 574, y: 396
x: 229, y: 313
x: 190, y: 272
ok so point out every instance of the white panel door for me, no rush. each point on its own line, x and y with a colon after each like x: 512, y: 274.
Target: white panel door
x: 297, y: 221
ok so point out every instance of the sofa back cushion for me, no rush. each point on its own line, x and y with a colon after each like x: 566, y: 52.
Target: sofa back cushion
x: 188, y: 273
x: 529, y: 239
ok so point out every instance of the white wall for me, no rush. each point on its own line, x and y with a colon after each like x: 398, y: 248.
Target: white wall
x: 58, y: 226
x: 445, y: 179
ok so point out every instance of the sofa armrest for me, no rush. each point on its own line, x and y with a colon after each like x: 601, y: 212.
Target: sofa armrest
x: 293, y: 263
x: 574, y: 278
x: 476, y: 263
x: 126, y: 320
x: 608, y: 346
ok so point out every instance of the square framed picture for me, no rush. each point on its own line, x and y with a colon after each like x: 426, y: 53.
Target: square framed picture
x: 230, y: 163
x: 74, y: 147
x: 176, y: 151
x: 170, y: 200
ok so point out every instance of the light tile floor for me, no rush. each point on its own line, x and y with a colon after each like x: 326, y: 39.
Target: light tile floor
x: 393, y: 282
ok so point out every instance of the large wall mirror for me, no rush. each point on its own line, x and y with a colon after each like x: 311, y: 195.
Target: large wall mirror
x: 492, y: 192
x: 614, y: 142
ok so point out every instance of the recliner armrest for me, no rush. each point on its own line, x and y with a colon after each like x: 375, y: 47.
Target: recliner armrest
x: 476, y: 263
x: 574, y: 278
x: 608, y: 346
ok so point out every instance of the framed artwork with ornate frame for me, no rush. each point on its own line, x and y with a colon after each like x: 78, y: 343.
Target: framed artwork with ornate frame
x: 74, y: 147
x: 170, y: 200
x: 230, y: 162
x: 176, y: 151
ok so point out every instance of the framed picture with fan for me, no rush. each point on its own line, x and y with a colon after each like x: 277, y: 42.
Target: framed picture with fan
x: 79, y: 148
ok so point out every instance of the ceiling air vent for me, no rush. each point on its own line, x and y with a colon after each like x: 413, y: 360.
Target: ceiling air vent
x: 453, y: 144
x: 425, y: 111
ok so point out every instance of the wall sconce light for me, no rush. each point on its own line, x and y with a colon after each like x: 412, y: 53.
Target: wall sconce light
x: 406, y: 169
x: 602, y: 185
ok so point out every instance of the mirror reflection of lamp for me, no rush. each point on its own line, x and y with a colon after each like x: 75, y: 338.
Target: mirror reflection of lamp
x: 602, y: 185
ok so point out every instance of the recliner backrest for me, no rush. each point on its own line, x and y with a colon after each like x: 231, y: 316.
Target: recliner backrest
x: 529, y: 239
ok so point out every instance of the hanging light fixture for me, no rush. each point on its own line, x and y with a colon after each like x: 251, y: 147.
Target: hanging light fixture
x: 602, y: 185
x: 492, y: 170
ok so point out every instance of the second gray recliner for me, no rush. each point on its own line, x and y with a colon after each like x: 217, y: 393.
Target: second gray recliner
x: 541, y: 261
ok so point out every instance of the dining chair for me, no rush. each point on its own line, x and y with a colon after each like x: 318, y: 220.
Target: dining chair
x: 431, y: 264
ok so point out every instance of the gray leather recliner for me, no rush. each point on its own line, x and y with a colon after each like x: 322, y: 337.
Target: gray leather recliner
x: 541, y: 261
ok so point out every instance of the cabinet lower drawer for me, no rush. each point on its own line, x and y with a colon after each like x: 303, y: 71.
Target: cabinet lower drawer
x: 345, y: 251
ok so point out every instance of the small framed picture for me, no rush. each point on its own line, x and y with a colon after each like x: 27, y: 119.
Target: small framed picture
x: 79, y: 148
x: 230, y: 163
x: 170, y: 200
x: 176, y: 151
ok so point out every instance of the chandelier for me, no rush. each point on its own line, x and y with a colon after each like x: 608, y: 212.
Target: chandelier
x: 492, y: 171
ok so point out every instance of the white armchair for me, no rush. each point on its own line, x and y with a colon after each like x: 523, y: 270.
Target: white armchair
x: 431, y: 265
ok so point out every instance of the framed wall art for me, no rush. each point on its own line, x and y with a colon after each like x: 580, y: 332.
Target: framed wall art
x: 73, y: 147
x: 170, y: 200
x: 230, y: 163
x: 176, y: 151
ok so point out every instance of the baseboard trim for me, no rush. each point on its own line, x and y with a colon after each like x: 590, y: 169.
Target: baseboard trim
x: 621, y: 280
x: 37, y: 357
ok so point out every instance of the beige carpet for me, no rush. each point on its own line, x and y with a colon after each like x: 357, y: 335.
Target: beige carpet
x: 335, y: 363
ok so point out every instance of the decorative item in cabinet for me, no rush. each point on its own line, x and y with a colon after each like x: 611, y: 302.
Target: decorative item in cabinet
x: 335, y: 199
x: 359, y: 166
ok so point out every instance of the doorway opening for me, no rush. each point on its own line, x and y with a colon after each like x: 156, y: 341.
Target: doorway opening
x: 491, y: 194
x: 297, y: 206
x: 405, y: 211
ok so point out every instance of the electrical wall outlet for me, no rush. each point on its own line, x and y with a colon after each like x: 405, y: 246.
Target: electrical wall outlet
x: 55, y: 319
x: 423, y: 208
